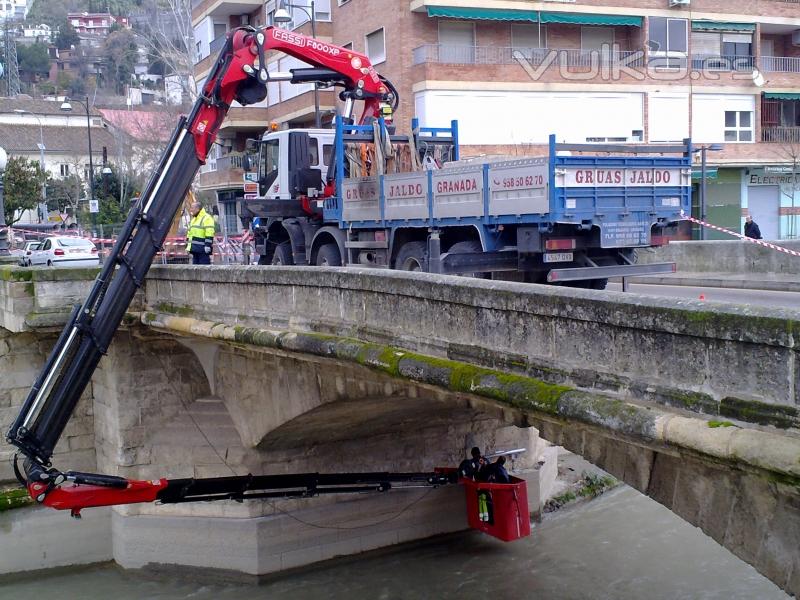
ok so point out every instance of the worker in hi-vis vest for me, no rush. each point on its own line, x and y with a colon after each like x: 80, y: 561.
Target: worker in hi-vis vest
x: 200, y: 236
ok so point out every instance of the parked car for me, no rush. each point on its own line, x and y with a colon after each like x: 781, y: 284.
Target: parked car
x: 27, y: 250
x: 66, y: 251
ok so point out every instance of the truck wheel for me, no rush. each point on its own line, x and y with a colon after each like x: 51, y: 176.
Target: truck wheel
x: 598, y: 284
x: 411, y: 257
x: 283, y: 254
x: 468, y: 247
x: 328, y: 256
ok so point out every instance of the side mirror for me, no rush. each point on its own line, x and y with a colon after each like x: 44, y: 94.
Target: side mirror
x: 247, y: 165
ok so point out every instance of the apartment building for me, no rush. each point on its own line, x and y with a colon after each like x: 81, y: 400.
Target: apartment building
x: 93, y: 28
x: 512, y: 72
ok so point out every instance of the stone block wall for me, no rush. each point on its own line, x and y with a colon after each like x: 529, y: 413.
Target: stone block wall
x: 738, y: 362
x: 734, y: 256
x: 21, y: 358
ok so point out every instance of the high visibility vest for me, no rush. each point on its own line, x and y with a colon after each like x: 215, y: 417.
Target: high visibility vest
x: 201, y: 233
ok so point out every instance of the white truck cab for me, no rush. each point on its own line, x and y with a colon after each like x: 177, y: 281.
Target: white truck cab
x: 290, y: 159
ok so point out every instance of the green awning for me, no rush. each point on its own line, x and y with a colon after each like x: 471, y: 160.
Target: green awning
x: 781, y: 96
x: 590, y: 19
x: 710, y: 174
x: 721, y: 26
x: 486, y: 14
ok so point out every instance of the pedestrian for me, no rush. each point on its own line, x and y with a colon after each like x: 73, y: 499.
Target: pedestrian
x: 470, y: 467
x: 200, y: 236
x: 751, y: 229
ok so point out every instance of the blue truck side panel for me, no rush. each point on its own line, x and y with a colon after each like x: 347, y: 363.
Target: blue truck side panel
x: 624, y: 213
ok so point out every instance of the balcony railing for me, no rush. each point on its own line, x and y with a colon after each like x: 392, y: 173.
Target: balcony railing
x: 779, y: 64
x: 230, y: 161
x: 712, y: 62
x: 781, y: 135
x: 494, y: 55
x: 216, y: 45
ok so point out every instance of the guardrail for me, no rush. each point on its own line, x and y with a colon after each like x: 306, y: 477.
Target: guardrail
x: 783, y: 135
x: 779, y: 64
x: 507, y: 55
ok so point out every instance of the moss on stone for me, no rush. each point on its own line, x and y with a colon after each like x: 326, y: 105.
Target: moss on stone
x: 715, y: 424
x: 30, y: 289
x: 752, y: 411
x: 16, y: 274
x: 694, y: 401
x: 14, y: 498
x: 174, y: 309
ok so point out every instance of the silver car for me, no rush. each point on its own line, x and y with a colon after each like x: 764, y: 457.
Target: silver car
x: 65, y: 251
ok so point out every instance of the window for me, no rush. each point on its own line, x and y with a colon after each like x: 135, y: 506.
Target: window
x: 456, y: 42
x: 348, y: 45
x: 722, y: 51
x: 220, y: 29
x: 738, y: 126
x: 64, y: 170
x: 268, y: 169
x: 327, y: 151
x: 375, y: 44
x: 528, y: 36
x: 668, y: 40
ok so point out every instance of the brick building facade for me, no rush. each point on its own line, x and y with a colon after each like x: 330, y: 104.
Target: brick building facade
x: 512, y: 72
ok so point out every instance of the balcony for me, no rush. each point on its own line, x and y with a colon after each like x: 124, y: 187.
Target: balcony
x: 779, y: 64
x: 221, y: 173
x: 711, y: 62
x: 216, y: 45
x: 497, y: 55
x: 780, y: 135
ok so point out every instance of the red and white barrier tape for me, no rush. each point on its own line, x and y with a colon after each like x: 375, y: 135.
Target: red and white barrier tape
x: 742, y: 237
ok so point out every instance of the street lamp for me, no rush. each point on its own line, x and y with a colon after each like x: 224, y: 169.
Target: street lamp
x: 702, y: 150
x: 67, y: 107
x: 42, y: 209
x: 283, y: 17
x: 3, y: 229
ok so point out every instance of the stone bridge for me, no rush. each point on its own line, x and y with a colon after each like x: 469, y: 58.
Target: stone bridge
x: 252, y: 369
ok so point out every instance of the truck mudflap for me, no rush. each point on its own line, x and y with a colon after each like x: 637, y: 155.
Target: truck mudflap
x: 600, y: 272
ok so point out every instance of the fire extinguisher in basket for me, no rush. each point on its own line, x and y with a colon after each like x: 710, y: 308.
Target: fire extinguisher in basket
x: 485, y: 507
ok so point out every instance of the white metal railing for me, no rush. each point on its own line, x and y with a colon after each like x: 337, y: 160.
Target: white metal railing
x: 499, y: 55
x: 779, y: 64
x: 721, y: 62
x: 782, y: 135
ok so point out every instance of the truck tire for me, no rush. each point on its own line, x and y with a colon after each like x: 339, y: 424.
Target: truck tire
x: 283, y: 255
x: 328, y: 256
x: 412, y: 257
x: 468, y: 246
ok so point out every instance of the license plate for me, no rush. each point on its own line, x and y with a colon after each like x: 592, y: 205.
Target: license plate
x: 74, y: 251
x: 555, y: 257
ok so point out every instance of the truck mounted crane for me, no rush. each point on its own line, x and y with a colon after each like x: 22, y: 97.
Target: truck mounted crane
x: 240, y: 74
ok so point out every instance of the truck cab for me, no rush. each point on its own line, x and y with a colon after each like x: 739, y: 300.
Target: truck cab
x: 291, y: 164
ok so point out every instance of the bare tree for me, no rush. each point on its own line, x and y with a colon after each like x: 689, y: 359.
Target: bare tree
x: 169, y: 36
x: 789, y: 152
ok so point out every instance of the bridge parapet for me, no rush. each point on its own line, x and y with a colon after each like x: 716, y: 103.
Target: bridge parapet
x: 40, y: 297
x: 735, y: 362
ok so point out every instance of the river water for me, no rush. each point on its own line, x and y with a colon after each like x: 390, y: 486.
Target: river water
x: 620, y: 546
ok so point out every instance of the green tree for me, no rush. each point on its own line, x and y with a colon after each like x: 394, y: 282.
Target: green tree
x: 73, y: 86
x: 23, y: 187
x: 107, y: 191
x: 63, y: 193
x: 49, y: 12
x: 66, y: 37
x: 33, y: 60
x: 121, y: 51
